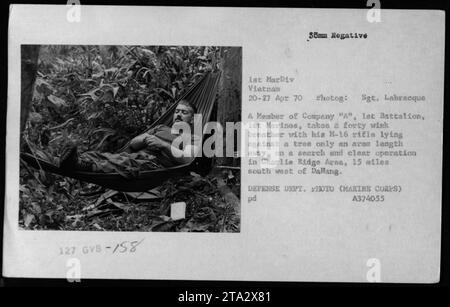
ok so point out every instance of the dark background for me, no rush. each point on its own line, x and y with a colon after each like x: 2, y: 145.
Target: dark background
x: 168, y: 290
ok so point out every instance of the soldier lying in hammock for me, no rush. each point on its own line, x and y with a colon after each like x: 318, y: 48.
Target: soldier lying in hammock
x: 151, y: 150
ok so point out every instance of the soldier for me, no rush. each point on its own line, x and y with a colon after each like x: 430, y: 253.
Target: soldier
x: 150, y: 150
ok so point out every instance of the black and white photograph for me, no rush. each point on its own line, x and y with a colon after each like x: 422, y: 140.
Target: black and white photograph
x: 99, y: 132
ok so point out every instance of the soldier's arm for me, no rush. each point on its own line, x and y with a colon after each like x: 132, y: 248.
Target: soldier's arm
x: 140, y: 142
x: 181, y: 156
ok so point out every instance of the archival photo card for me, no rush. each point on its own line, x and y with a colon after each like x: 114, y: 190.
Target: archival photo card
x: 246, y: 144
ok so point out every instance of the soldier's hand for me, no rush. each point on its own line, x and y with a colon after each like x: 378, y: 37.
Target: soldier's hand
x: 153, y: 142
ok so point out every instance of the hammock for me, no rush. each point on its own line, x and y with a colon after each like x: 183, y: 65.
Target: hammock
x: 202, y: 94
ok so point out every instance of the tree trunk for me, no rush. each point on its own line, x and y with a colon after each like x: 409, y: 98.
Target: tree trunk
x: 29, y: 56
x: 229, y: 105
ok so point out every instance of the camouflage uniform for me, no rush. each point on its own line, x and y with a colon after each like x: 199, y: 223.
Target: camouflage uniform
x: 129, y: 164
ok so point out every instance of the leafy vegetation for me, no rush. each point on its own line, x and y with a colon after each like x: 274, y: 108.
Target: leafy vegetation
x: 98, y: 97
